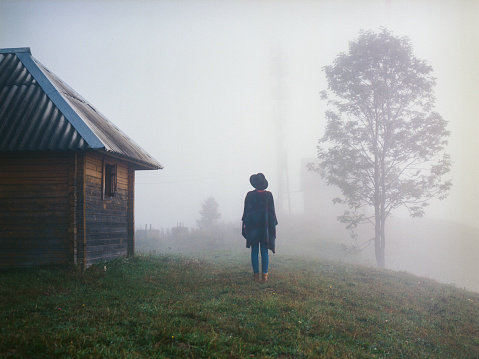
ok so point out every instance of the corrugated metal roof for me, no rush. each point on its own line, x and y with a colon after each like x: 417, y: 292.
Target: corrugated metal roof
x: 39, y: 112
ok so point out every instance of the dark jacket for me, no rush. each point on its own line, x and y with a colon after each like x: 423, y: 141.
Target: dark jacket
x: 259, y: 219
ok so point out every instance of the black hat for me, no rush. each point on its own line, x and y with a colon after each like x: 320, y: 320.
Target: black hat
x: 258, y: 181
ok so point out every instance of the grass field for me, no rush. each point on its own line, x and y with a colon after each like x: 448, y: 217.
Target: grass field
x: 171, y: 306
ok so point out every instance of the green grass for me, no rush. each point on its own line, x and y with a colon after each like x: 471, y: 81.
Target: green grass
x: 172, y: 306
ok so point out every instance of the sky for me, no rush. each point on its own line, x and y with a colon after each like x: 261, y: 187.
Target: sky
x: 215, y: 90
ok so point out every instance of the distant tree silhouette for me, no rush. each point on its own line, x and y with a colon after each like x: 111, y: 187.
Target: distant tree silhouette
x: 383, y: 145
x: 209, y: 214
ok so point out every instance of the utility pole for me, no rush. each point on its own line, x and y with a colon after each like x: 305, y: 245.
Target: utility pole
x: 279, y: 95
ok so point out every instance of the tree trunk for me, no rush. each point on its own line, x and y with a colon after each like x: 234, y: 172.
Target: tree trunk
x: 378, y: 239
x: 380, y: 234
x: 382, y: 258
x: 381, y: 215
x: 378, y: 199
x: 379, y: 242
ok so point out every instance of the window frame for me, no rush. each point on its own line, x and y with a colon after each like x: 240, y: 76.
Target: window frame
x: 110, y: 179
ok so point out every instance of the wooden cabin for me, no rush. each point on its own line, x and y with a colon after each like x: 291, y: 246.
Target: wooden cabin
x: 67, y: 174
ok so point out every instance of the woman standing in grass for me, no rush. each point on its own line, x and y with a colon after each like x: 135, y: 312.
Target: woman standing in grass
x: 259, y: 224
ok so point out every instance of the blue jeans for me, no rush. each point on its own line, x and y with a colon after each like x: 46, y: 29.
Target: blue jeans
x: 264, y: 257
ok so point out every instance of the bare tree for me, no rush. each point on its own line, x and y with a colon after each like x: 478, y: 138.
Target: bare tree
x: 383, y: 145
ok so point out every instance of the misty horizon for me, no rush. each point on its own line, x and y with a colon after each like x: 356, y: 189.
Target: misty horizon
x: 219, y: 91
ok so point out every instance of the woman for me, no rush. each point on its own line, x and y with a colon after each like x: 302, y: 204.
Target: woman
x: 259, y: 224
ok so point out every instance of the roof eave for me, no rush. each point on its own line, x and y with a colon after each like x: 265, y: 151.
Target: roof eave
x: 139, y: 165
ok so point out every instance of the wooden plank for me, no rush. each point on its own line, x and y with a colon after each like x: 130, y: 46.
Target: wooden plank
x: 33, y: 158
x: 94, y: 173
x: 24, y: 192
x: 94, y: 166
x: 72, y: 210
x: 107, y: 249
x: 94, y: 181
x: 131, y: 212
x: 81, y: 209
x: 33, y: 207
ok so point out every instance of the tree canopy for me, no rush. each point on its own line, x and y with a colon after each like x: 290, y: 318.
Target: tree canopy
x: 209, y: 214
x: 384, y: 145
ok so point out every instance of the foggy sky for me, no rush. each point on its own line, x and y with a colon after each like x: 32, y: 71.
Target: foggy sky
x: 195, y: 84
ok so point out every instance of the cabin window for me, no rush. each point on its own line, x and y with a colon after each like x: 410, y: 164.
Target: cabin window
x: 110, y: 180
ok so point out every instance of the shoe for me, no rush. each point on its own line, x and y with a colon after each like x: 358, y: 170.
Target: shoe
x: 264, y: 277
x: 256, y: 277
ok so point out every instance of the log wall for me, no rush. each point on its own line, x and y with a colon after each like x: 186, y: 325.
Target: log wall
x: 106, y: 217
x: 53, y: 209
x: 34, y: 209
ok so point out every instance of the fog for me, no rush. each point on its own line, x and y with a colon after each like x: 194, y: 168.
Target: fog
x: 217, y: 91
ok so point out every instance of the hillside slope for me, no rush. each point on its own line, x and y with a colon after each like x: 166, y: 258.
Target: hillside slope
x: 174, y: 306
x: 442, y: 250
